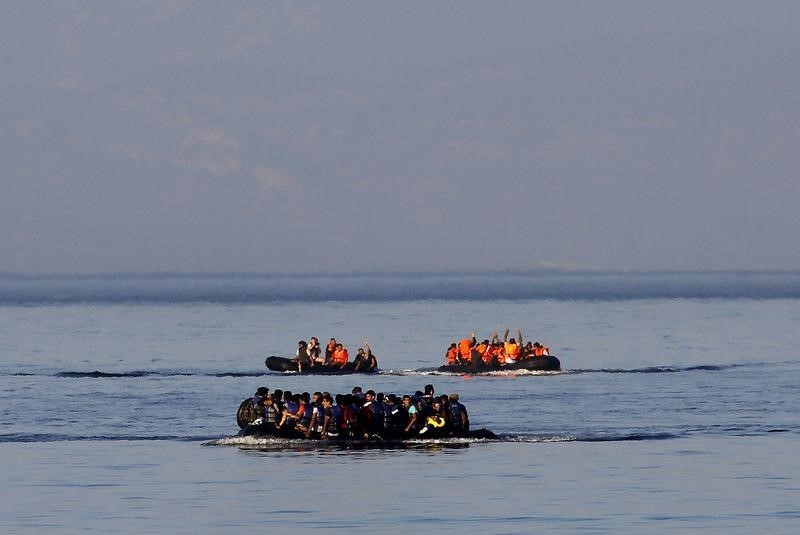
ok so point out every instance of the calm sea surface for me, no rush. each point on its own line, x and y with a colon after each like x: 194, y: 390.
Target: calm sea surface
x: 677, y: 409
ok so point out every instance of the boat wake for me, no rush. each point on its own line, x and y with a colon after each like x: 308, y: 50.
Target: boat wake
x: 495, y: 373
x: 293, y: 444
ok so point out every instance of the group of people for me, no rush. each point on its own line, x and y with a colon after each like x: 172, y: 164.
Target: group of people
x: 309, y: 355
x: 358, y: 415
x: 497, y: 352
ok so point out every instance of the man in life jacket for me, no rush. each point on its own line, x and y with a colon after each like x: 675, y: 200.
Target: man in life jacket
x: 451, y: 356
x: 481, y: 351
x: 340, y: 356
x: 465, y: 346
x: 540, y: 351
x: 513, y: 348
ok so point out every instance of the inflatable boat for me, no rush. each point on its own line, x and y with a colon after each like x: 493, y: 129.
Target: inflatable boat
x: 283, y: 364
x: 547, y: 363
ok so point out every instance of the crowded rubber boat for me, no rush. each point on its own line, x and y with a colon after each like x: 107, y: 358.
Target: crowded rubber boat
x: 470, y: 356
x: 357, y: 416
x: 309, y: 359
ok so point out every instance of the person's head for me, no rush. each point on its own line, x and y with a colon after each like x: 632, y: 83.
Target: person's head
x: 277, y: 394
x: 262, y: 391
x: 429, y: 390
x: 339, y: 346
x: 357, y: 390
x: 443, y: 399
x: 313, y: 341
x: 316, y: 397
x: 268, y: 400
x: 370, y: 394
x: 453, y: 397
x: 391, y: 398
x: 306, y: 397
x: 452, y: 346
x: 327, y: 401
x: 302, y: 343
x: 296, y: 398
x: 360, y: 351
x: 437, y: 404
x: 406, y: 400
x: 512, y: 341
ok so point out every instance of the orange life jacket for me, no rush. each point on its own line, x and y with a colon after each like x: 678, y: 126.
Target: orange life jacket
x: 465, y: 348
x: 452, y: 355
x: 488, y: 356
x: 499, y: 354
x: 340, y: 356
x: 512, y: 351
x: 541, y: 351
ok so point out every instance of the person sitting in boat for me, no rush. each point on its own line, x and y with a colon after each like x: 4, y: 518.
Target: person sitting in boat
x: 329, y: 350
x: 372, y: 414
x: 293, y: 413
x: 512, y: 348
x: 482, y: 353
x: 332, y: 416
x: 349, y: 424
x: 394, y: 417
x: 360, y: 360
x: 269, y: 422
x: 315, y: 424
x: 429, y: 394
x: 451, y: 355
x: 302, y: 425
x: 258, y: 400
x: 302, y: 357
x: 277, y: 399
x: 340, y: 356
x: 412, y: 423
x: 435, y: 423
x: 314, y: 352
x: 527, y: 350
x: 365, y: 360
x: 540, y: 351
x: 465, y: 346
x: 459, y: 419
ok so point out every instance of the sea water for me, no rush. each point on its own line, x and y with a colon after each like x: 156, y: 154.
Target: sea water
x: 676, y: 409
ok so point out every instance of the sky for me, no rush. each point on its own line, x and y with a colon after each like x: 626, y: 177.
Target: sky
x: 181, y: 136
